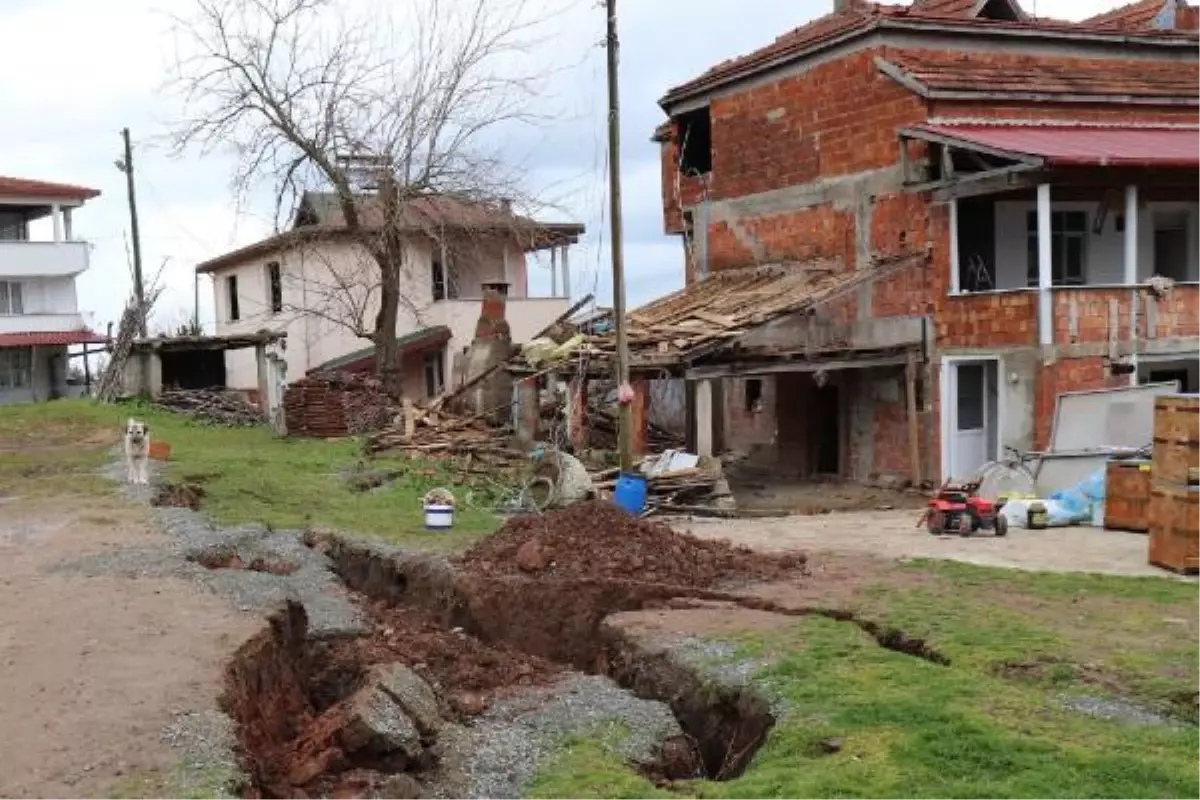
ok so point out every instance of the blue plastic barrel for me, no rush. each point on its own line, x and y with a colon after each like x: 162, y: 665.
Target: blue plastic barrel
x: 629, y: 492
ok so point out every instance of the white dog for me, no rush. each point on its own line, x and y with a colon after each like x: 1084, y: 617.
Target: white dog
x: 137, y: 451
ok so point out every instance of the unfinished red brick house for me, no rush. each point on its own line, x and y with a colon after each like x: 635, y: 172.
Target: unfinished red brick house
x: 1008, y: 205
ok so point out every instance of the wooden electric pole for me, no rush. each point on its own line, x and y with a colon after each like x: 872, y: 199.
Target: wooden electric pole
x: 139, y: 290
x: 624, y: 432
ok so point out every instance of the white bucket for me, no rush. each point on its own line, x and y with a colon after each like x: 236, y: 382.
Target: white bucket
x: 439, y: 517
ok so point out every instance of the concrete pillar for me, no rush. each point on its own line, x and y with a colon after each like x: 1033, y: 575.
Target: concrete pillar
x: 528, y: 412
x: 704, y: 418
x: 577, y: 420
x: 554, y: 272
x: 1131, y: 272
x: 67, y: 233
x: 639, y: 413
x: 260, y: 363
x: 1045, y: 272
x: 566, y: 267
x: 56, y: 213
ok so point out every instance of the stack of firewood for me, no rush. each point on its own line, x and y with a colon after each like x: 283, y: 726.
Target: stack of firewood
x: 217, y: 406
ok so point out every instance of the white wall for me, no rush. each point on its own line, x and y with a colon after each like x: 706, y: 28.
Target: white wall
x: 49, y: 295
x: 1104, y: 252
x: 312, y: 279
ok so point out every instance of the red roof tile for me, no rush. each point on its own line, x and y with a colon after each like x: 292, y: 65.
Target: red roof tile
x: 864, y: 16
x: 1083, y: 146
x: 50, y: 338
x: 1133, y: 16
x: 23, y: 187
x: 1041, y: 75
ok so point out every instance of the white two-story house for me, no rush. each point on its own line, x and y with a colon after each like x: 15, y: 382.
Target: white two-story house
x: 321, y: 288
x: 39, y: 308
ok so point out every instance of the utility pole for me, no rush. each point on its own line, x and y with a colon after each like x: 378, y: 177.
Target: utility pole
x: 139, y: 290
x: 624, y: 417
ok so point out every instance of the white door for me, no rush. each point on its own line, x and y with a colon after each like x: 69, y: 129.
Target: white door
x: 969, y: 417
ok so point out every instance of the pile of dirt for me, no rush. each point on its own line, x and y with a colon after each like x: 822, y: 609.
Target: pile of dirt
x: 598, y: 541
x: 465, y: 671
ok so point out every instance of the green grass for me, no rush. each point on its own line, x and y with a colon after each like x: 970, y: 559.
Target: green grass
x: 587, y: 766
x: 248, y: 475
x: 910, y: 728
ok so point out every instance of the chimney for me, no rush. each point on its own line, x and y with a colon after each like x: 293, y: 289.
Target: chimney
x: 1187, y: 18
x: 505, y: 205
x: 492, y: 324
x: 840, y: 6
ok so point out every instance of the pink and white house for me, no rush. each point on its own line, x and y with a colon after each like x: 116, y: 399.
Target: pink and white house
x: 39, y: 306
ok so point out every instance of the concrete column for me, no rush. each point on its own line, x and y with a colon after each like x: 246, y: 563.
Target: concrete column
x: 577, y: 419
x: 704, y: 418
x: 67, y: 234
x: 1045, y: 272
x: 1131, y: 272
x: 955, y: 271
x: 554, y: 272
x: 264, y: 386
x: 528, y: 412
x: 56, y: 213
x: 566, y: 267
x: 639, y: 412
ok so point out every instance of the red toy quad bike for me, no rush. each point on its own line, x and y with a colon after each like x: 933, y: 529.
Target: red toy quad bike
x: 958, y: 509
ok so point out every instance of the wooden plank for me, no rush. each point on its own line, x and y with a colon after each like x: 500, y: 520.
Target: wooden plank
x: 715, y: 319
x: 773, y: 367
x: 1174, y: 528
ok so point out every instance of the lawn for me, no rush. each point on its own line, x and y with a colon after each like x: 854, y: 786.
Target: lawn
x: 995, y: 723
x: 247, y: 474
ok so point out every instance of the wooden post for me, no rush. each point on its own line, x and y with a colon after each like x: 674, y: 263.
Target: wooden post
x: 260, y: 363
x: 410, y: 420
x: 639, y: 416
x: 914, y: 430
x: 577, y: 425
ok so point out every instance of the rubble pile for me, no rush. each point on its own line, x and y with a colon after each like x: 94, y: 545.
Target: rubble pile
x: 217, y: 406
x: 332, y: 405
x: 597, y: 540
x: 679, y: 490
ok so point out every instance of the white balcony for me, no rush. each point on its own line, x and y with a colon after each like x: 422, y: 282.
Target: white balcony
x: 36, y: 259
x: 41, y: 323
x: 526, y: 316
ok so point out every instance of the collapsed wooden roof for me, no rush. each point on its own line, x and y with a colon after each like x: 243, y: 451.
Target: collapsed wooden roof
x: 709, y: 314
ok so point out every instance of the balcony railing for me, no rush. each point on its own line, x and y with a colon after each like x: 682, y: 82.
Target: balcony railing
x: 35, y: 259
x: 41, y: 323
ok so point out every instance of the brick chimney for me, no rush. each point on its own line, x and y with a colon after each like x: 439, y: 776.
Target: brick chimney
x: 1187, y: 18
x: 840, y: 6
x: 492, y: 324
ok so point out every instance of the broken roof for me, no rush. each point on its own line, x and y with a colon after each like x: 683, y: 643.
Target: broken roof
x: 428, y: 213
x: 943, y: 15
x: 939, y: 75
x: 708, y: 314
x: 414, y: 341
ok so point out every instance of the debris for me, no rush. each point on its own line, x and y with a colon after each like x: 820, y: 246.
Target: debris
x: 411, y: 692
x: 530, y: 557
x: 598, y: 540
x: 376, y: 723
x: 218, y: 406
x: 113, y: 378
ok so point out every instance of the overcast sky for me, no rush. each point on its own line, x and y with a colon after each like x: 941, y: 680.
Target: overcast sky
x: 80, y: 70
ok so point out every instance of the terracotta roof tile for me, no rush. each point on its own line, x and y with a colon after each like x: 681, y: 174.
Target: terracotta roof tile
x: 1133, y: 16
x: 23, y: 187
x: 865, y: 16
x: 51, y: 338
x: 1010, y: 73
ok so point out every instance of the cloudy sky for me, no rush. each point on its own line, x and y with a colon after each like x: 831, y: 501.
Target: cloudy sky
x: 80, y: 70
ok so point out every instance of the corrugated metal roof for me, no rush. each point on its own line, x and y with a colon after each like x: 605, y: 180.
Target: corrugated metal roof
x: 1078, y: 145
x: 50, y: 338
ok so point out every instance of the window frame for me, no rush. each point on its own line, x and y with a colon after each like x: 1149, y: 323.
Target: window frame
x: 274, y: 287
x: 1061, y: 236
x: 9, y: 290
x: 233, y: 310
x: 16, y: 368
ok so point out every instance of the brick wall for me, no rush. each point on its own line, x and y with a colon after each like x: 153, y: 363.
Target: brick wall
x: 795, y: 130
x: 992, y: 319
x: 1067, y: 375
x: 1062, y: 112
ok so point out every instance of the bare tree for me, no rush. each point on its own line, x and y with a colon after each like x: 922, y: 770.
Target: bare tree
x: 390, y: 109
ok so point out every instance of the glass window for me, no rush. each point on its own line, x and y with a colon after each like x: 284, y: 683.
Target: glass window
x: 1068, y: 247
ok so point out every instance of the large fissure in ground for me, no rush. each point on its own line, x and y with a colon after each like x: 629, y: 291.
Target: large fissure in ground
x: 312, y: 713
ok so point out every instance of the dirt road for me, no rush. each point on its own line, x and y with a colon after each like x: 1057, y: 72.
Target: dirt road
x: 893, y: 534
x: 92, y: 669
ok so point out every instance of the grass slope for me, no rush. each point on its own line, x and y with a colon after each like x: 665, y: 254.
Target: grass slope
x: 247, y: 474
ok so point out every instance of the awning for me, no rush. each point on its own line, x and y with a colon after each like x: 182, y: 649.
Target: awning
x: 50, y: 338
x: 364, y: 360
x: 1074, y: 145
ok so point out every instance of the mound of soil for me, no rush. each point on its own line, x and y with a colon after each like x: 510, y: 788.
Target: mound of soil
x: 460, y: 667
x: 597, y: 540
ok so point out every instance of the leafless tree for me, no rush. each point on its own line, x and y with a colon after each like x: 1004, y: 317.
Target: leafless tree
x: 307, y: 95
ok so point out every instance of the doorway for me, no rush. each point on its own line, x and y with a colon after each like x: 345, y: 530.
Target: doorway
x: 970, y: 416
x: 826, y: 431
